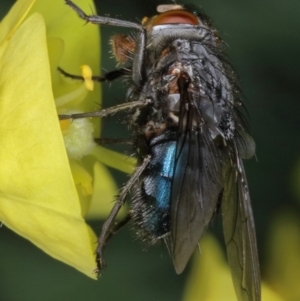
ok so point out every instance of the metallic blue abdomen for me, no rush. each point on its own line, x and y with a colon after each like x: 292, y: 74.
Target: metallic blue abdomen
x: 153, y: 197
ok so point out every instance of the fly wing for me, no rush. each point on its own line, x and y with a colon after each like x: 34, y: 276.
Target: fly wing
x: 239, y: 232
x: 195, y: 192
x: 196, y: 183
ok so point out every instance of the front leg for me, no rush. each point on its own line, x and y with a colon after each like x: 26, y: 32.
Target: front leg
x: 108, y: 111
x: 102, y: 19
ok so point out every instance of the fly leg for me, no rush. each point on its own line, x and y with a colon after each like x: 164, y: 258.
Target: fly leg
x: 108, y: 111
x: 101, y: 19
x: 116, y: 228
x: 103, y: 141
x: 138, y: 67
x: 111, y: 232
x: 108, y: 77
x: 105, y: 232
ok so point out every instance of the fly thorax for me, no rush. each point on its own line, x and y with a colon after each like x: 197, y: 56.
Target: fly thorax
x: 188, y: 83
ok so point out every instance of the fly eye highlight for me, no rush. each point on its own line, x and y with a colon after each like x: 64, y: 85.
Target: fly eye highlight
x: 176, y: 17
x: 167, y: 7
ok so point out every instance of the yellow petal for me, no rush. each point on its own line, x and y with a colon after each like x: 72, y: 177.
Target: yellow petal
x: 105, y: 191
x: 283, y: 256
x: 67, y: 92
x: 81, y: 178
x: 210, y: 279
x: 267, y: 294
x: 84, y: 184
x: 38, y: 198
x: 14, y: 18
x: 81, y: 42
x: 114, y: 159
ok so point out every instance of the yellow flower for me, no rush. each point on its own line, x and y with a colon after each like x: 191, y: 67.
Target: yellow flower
x: 40, y: 198
x: 210, y: 279
x: 283, y: 261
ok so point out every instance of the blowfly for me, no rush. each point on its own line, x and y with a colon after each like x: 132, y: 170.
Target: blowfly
x: 184, y: 109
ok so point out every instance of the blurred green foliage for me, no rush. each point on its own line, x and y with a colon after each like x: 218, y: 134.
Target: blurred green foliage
x: 264, y: 46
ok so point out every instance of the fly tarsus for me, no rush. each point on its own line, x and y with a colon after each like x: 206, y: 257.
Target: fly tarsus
x: 114, y: 230
x: 108, y: 77
x: 78, y: 10
x: 94, y: 19
x: 108, y: 111
x: 103, y: 141
x: 107, y: 227
x: 73, y: 76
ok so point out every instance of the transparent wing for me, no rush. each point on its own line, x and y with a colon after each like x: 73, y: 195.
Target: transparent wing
x: 196, y: 184
x: 239, y: 232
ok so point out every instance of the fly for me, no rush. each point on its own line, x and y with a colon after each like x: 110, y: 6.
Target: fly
x: 184, y: 109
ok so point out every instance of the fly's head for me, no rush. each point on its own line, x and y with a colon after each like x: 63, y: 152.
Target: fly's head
x: 173, y: 17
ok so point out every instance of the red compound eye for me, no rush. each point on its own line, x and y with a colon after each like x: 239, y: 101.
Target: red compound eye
x: 176, y: 17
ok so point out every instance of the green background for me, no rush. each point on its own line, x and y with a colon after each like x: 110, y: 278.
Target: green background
x: 264, y: 47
